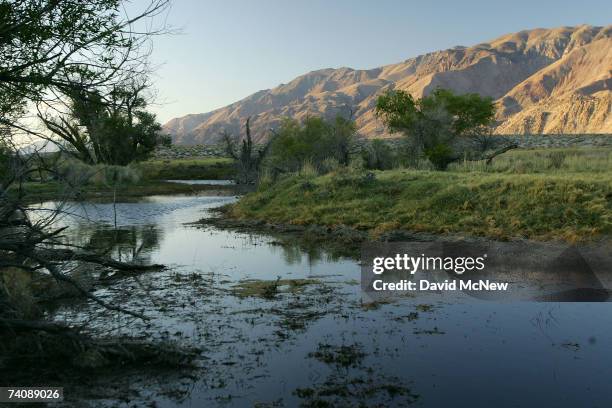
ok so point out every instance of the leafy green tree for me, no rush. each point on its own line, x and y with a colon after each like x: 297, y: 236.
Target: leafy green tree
x: 115, y: 129
x: 313, y: 141
x: 434, y: 122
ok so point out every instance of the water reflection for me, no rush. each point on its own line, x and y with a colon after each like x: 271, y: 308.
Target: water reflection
x: 261, y: 350
x: 297, y: 250
x: 127, y: 244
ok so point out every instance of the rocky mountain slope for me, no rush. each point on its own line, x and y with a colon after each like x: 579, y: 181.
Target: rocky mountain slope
x: 544, y: 81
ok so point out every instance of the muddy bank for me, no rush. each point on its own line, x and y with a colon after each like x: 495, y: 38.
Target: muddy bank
x: 341, y: 236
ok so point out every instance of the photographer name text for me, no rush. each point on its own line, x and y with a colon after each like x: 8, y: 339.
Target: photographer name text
x: 425, y: 285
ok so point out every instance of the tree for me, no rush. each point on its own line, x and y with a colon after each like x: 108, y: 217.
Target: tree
x: 435, y: 122
x: 116, y: 130
x: 4, y: 163
x: 378, y: 155
x: 248, y: 161
x: 312, y: 141
x: 52, y: 51
x: 50, y: 48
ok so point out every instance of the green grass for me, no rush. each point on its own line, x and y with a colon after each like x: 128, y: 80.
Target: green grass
x: 524, y: 161
x: 210, y: 168
x: 569, y: 206
x: 36, y: 191
x: 135, y: 180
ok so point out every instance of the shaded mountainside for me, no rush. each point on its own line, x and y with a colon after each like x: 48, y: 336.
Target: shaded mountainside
x: 544, y: 80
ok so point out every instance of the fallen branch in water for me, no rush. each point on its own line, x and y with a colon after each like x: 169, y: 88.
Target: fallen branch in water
x: 64, y: 278
x: 20, y: 325
x: 65, y: 255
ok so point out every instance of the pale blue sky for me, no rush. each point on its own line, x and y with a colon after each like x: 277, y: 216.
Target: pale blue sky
x: 229, y: 49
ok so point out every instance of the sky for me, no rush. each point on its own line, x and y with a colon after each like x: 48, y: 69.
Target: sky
x: 225, y: 50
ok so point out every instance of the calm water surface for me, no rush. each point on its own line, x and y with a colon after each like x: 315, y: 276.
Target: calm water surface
x: 461, y: 352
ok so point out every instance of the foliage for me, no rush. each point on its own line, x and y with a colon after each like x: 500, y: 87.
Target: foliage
x: 50, y: 48
x: 440, y: 155
x: 52, y: 52
x: 77, y: 173
x: 569, y: 207
x: 556, y: 159
x: 211, y: 168
x: 114, y: 131
x: 313, y: 141
x: 435, y: 121
x: 524, y: 161
x: 378, y: 155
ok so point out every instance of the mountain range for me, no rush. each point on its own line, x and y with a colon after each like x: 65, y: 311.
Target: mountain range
x: 543, y: 80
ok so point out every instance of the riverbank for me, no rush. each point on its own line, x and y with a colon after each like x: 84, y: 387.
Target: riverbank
x: 57, y: 191
x: 151, y: 177
x: 197, y: 168
x: 567, y: 207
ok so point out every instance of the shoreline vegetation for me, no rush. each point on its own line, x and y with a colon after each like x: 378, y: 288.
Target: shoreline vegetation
x: 57, y: 191
x: 140, y: 179
x: 448, y: 177
x: 545, y: 195
x: 557, y: 194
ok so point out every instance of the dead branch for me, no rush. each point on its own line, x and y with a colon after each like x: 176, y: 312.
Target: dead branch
x: 64, y: 255
x: 19, y: 325
x: 502, y: 150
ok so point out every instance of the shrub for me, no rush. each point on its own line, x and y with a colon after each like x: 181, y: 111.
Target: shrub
x: 330, y: 164
x: 378, y: 155
x: 351, y: 177
x: 77, y: 173
x: 309, y: 169
x: 440, y: 155
x: 556, y: 159
x: 314, y: 141
x: 16, y: 292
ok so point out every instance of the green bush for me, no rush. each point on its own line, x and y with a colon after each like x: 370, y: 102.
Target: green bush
x: 78, y: 173
x: 434, y: 122
x: 378, y: 155
x: 440, y: 155
x: 351, y: 177
x: 315, y: 141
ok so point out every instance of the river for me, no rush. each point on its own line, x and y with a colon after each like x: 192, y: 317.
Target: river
x: 315, y: 339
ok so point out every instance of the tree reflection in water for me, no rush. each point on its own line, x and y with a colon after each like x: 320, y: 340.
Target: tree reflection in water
x: 133, y: 243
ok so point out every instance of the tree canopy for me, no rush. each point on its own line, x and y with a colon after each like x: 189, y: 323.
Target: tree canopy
x: 435, y: 121
x: 52, y: 50
x: 54, y: 53
x: 314, y: 140
x: 116, y: 131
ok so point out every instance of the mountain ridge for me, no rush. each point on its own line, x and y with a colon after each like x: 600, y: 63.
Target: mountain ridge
x: 544, y: 81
